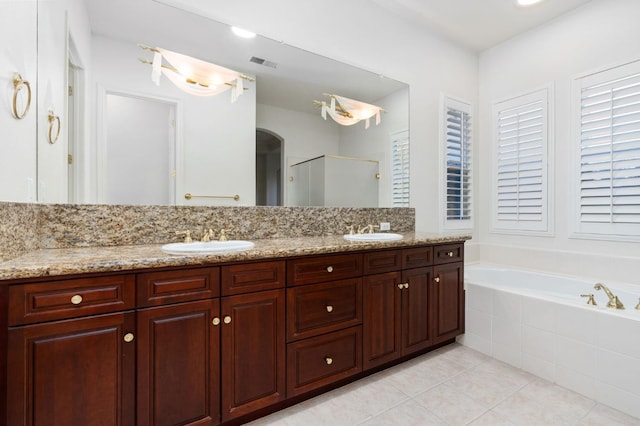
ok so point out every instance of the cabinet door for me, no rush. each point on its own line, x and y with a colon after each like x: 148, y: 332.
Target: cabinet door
x: 448, y: 301
x: 179, y: 364
x: 73, y: 372
x: 253, y: 352
x: 416, y: 310
x: 382, y: 296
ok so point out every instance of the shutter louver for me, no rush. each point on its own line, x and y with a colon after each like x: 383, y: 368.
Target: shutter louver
x: 521, y: 163
x: 458, y: 164
x: 609, y: 183
x: 400, y: 170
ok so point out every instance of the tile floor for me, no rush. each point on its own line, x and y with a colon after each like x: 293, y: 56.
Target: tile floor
x: 453, y: 385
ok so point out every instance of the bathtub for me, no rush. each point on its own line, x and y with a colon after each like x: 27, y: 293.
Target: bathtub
x: 537, y: 321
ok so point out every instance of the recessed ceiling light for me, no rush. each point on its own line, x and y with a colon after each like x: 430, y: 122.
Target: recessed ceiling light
x: 527, y: 2
x: 242, y: 33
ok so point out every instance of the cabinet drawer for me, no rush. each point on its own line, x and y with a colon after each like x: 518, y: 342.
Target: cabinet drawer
x: 321, y: 308
x: 449, y: 253
x: 382, y: 261
x: 250, y: 277
x: 323, y: 268
x: 159, y: 288
x: 319, y: 361
x: 417, y: 257
x: 31, y: 303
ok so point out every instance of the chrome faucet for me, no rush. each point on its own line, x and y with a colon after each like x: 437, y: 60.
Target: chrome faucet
x: 614, y: 302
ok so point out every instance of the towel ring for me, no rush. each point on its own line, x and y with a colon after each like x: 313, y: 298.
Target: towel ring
x: 18, y: 85
x: 53, y: 119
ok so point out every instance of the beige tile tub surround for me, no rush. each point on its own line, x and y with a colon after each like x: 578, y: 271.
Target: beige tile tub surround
x: 25, y: 227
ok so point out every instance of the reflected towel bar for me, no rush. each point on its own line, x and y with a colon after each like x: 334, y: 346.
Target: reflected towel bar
x: 189, y: 196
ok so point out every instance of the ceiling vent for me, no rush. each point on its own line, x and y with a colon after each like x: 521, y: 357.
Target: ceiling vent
x: 264, y: 62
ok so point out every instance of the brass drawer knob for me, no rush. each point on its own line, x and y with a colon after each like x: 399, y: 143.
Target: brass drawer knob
x: 329, y: 308
x: 329, y: 268
x: 216, y: 321
x: 128, y: 337
x: 227, y: 319
x: 406, y: 285
x: 401, y: 286
x: 328, y: 360
x: 437, y: 279
x: 76, y: 300
x: 450, y: 253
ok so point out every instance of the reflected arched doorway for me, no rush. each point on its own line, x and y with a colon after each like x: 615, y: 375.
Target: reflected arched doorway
x: 268, y: 168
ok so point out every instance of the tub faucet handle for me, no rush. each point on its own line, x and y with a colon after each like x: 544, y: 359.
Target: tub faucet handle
x: 591, y: 301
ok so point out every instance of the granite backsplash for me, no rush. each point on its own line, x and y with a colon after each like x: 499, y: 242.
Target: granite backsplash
x: 27, y: 227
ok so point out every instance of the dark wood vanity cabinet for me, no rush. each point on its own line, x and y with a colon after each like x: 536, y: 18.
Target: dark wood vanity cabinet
x: 216, y: 344
x: 411, y: 305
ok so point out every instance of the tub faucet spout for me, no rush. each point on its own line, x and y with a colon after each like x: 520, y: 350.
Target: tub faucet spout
x: 614, y: 302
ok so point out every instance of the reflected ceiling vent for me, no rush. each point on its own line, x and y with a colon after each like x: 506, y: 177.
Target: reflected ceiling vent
x: 264, y: 62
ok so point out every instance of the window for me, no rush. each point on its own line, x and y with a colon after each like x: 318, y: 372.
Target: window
x: 457, y: 161
x: 400, y: 168
x: 608, y: 138
x: 520, y: 163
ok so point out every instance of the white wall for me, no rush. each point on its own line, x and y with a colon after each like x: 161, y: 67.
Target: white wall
x: 211, y: 130
x: 52, y: 99
x: 598, y: 35
x: 383, y: 44
x: 305, y: 136
x: 374, y: 143
x: 18, y: 47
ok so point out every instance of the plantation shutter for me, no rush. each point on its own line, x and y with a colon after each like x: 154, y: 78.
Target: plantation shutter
x: 458, y: 163
x: 520, y: 163
x: 400, y: 169
x: 609, y: 184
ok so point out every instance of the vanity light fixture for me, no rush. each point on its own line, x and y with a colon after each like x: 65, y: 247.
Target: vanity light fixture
x: 347, y: 111
x: 195, y: 76
x: 242, y: 33
x: 525, y: 3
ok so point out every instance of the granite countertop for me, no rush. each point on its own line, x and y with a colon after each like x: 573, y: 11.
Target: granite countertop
x: 67, y: 261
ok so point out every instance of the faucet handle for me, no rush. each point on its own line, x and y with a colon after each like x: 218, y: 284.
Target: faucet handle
x: 591, y: 301
x: 206, y: 237
x: 638, y: 305
x: 187, y: 235
x: 350, y: 229
x: 223, y: 234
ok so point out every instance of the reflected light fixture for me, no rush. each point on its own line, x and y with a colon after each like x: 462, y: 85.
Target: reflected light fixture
x: 195, y: 76
x: 348, y: 112
x: 242, y: 33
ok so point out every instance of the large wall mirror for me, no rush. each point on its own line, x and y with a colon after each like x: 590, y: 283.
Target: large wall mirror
x: 123, y: 139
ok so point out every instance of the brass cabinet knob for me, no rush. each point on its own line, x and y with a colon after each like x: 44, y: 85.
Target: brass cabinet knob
x: 329, y: 268
x: 76, y: 300
x: 328, y: 360
x: 450, y: 253
x: 436, y: 279
x: 128, y: 337
x: 406, y: 285
x: 401, y: 286
x: 216, y: 321
x: 329, y: 308
x: 227, y: 319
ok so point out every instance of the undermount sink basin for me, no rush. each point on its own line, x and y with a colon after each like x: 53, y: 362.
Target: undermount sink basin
x: 207, y: 247
x: 376, y: 236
